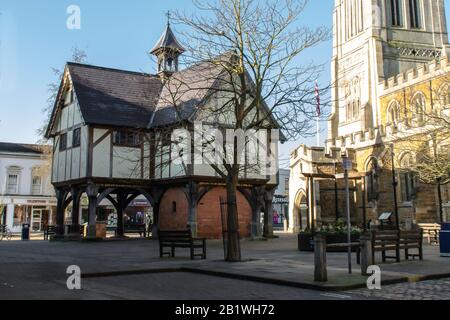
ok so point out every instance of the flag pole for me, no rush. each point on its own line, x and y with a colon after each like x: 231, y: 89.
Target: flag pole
x: 318, y: 113
x: 318, y: 131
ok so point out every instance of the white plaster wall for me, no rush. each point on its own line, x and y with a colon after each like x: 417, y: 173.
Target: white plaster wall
x: 101, y: 154
x: 71, y: 163
x: 126, y: 163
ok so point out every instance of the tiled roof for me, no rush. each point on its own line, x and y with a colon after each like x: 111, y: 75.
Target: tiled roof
x: 129, y: 99
x: 187, y: 90
x: 20, y: 148
x: 115, y: 97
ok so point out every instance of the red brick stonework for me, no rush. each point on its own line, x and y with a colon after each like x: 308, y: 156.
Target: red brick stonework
x: 170, y: 219
x: 209, y: 216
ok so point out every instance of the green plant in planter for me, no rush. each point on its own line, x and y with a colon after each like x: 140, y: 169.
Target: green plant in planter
x: 338, y: 227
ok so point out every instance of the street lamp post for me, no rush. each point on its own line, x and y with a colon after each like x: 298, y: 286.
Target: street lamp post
x: 394, y: 187
x: 347, y: 166
x: 441, y: 209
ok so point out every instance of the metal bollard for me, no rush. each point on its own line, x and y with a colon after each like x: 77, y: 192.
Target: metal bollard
x: 320, y: 259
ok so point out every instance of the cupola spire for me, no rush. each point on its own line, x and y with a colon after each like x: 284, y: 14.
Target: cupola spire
x: 167, y: 50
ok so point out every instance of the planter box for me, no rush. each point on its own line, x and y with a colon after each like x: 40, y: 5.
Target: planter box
x: 305, y: 242
x: 101, y: 230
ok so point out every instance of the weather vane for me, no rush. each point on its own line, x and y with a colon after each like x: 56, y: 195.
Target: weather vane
x: 168, y: 17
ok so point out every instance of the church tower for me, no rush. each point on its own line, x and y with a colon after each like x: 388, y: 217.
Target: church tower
x: 372, y: 41
x: 167, y: 50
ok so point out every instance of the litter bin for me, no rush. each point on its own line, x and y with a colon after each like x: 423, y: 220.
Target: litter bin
x: 26, y: 231
x: 445, y: 240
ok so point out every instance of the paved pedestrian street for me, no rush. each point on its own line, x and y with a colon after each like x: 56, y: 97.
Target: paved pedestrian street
x: 424, y: 290
x: 271, y: 270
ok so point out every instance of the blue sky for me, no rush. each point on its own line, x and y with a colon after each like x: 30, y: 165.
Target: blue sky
x: 118, y: 34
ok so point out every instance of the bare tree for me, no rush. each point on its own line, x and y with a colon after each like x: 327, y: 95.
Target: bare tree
x: 423, y: 128
x: 78, y: 56
x: 248, y: 55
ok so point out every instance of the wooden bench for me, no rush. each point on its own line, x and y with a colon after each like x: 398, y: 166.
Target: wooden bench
x: 411, y: 240
x: 394, y: 240
x: 49, y: 231
x: 431, y: 232
x: 180, y: 239
x: 383, y: 241
x: 135, y: 228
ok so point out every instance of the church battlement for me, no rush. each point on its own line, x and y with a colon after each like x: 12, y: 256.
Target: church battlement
x: 360, y: 138
x: 407, y: 78
x: 319, y: 155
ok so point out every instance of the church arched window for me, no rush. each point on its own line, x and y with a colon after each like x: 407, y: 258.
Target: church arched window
x: 393, y: 113
x: 396, y: 12
x: 355, y: 17
x: 352, y: 99
x: 414, y: 14
x: 372, y: 169
x: 407, y: 177
x: 444, y: 96
x: 418, y: 105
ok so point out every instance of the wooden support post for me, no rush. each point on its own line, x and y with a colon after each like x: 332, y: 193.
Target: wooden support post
x: 366, y: 253
x: 60, y: 209
x: 121, y: 199
x: 257, y: 201
x: 155, y: 220
x: 92, y: 193
x: 75, y: 227
x: 268, y: 214
x: 193, y: 196
x: 320, y: 259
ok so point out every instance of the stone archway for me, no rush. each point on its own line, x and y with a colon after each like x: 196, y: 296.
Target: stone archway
x: 300, y: 214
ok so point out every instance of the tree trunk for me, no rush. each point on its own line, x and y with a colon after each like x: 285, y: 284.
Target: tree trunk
x: 233, y: 248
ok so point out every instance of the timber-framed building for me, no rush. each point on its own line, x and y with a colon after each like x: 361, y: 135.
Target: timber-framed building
x: 108, y: 143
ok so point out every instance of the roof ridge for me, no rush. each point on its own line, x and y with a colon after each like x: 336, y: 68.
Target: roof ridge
x: 110, y: 69
x: 21, y: 144
x: 29, y: 148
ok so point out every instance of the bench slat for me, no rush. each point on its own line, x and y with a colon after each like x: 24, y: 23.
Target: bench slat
x: 180, y: 239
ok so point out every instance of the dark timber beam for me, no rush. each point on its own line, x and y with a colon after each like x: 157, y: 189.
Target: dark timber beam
x: 75, y: 227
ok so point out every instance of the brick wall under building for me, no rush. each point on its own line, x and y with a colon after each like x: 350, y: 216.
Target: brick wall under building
x: 170, y: 219
x: 209, y: 221
x: 209, y: 214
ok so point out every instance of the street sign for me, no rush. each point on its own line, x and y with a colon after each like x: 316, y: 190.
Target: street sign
x: 385, y: 216
x: 347, y: 164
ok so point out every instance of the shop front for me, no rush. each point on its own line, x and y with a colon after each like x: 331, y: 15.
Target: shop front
x: 280, y: 211
x: 138, y: 212
x: 38, y: 212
